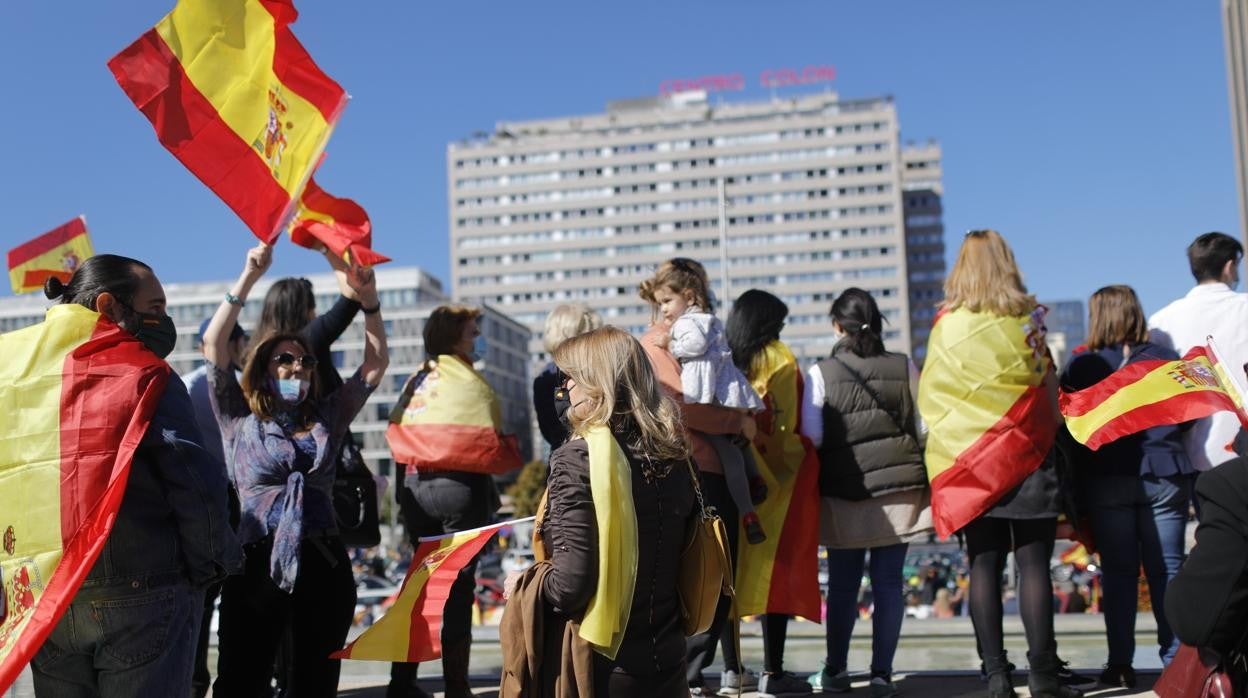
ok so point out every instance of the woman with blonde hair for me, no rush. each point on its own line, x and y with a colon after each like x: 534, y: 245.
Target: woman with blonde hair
x: 1135, y: 490
x: 988, y: 394
x: 619, y: 491
x: 563, y: 323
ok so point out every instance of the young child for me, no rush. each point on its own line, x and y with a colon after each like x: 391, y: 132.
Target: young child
x: 708, y: 376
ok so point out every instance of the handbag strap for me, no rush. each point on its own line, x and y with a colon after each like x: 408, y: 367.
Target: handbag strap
x: 862, y: 383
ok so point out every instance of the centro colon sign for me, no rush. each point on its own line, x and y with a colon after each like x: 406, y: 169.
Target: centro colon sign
x: 735, y: 82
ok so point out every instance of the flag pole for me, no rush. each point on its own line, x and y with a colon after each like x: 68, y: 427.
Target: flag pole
x: 500, y: 524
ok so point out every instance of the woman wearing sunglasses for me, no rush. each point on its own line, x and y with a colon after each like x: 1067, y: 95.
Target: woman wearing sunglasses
x: 281, y: 439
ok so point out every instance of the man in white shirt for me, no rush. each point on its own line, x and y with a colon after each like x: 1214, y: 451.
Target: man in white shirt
x: 1211, y: 309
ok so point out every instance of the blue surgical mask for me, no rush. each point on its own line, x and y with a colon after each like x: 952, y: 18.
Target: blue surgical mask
x: 292, y: 391
x: 479, y: 347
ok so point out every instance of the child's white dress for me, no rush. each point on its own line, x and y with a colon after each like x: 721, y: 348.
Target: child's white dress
x: 707, y: 374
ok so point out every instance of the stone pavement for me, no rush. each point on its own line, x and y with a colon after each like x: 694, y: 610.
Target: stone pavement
x: 935, y: 658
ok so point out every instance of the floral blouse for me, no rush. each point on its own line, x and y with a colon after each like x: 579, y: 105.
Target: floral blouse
x: 284, y: 493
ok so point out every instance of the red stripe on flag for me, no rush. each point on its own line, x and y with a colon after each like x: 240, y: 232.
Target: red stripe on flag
x: 1175, y: 410
x: 295, y: 68
x: 795, y: 571
x: 998, y: 461
x: 46, y: 243
x: 1081, y: 402
x: 469, y: 449
x: 425, y: 640
x: 36, y: 277
x: 189, y: 126
x: 110, y: 369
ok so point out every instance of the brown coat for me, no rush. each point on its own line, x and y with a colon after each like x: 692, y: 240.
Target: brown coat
x: 540, y: 659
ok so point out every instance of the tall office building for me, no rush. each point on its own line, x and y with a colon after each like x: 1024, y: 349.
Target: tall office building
x: 1235, y: 27
x: 925, y: 240
x: 582, y: 209
x: 408, y: 295
x: 1067, y: 326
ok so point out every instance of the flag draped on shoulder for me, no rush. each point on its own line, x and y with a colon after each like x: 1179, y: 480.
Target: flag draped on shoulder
x: 1150, y: 393
x: 341, y: 225
x: 780, y: 575
x: 237, y: 99
x: 57, y: 252
x: 411, y: 630
x: 452, y: 422
x: 990, y: 422
x: 611, y: 487
x: 78, y: 393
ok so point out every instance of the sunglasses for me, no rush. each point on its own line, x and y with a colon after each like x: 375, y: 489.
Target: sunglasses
x: 288, y: 359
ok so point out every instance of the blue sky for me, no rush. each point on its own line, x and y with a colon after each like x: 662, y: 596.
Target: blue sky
x: 1094, y: 135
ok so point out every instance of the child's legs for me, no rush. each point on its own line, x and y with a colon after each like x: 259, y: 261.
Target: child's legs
x: 748, y: 464
x: 733, y: 461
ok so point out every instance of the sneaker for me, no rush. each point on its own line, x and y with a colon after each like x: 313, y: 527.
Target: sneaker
x: 827, y: 682
x: 1118, y: 676
x: 753, y: 529
x: 731, y: 683
x: 882, y: 687
x: 698, y: 691
x: 784, y: 683
x: 1070, y: 678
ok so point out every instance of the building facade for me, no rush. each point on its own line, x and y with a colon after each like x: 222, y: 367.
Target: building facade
x: 810, y: 192
x: 1235, y: 27
x: 1067, y: 324
x: 408, y: 295
x: 922, y: 188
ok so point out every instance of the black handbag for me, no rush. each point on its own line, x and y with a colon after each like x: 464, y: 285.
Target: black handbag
x: 355, y: 499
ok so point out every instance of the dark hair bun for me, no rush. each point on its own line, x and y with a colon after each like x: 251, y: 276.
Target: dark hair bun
x: 53, y: 288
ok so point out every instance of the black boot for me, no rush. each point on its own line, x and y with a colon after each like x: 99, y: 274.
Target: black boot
x: 403, y: 681
x: 1000, y: 685
x: 455, y: 669
x: 1043, y: 678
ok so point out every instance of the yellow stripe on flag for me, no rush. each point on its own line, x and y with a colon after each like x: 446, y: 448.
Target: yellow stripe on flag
x: 226, y: 48
x: 453, y: 393
x: 611, y: 486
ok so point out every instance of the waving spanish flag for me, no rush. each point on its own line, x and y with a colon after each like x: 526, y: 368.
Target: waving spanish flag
x: 1147, y: 394
x: 341, y: 225
x: 780, y: 575
x: 57, y: 252
x: 78, y: 393
x: 235, y: 97
x: 411, y: 630
x: 990, y: 423
x: 453, y: 421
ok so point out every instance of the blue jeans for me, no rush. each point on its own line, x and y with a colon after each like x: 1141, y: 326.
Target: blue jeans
x: 135, y: 641
x: 1137, y: 520
x: 844, y: 578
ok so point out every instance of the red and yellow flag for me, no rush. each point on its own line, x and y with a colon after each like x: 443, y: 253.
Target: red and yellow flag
x: 57, y: 252
x: 780, y: 575
x: 341, y: 225
x: 1147, y: 394
x: 453, y: 422
x: 411, y: 630
x: 237, y: 99
x: 990, y: 423
x: 78, y: 393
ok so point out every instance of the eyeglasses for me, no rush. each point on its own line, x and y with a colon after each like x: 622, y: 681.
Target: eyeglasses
x: 286, y: 358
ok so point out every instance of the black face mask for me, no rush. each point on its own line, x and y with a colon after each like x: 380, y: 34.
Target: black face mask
x: 156, y: 332
x: 563, y: 403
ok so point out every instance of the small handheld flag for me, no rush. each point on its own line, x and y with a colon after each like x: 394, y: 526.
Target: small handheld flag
x: 341, y: 225
x: 58, y: 252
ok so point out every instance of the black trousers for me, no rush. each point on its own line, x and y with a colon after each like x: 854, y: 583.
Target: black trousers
x: 255, y: 614
x: 700, y: 649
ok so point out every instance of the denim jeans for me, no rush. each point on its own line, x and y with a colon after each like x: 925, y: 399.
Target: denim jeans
x: 1137, y: 520
x: 844, y: 579
x: 130, y: 641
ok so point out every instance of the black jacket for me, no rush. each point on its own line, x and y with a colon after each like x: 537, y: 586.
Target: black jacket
x: 1207, y: 603
x: 654, y: 641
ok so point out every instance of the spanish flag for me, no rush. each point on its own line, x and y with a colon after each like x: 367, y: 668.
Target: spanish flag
x: 452, y: 422
x: 78, y: 393
x: 1147, y: 394
x: 341, y: 225
x: 780, y: 575
x: 57, y: 252
x: 989, y: 419
x: 235, y: 97
x: 411, y: 631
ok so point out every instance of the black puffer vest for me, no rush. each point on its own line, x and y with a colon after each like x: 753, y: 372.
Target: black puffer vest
x: 868, y: 449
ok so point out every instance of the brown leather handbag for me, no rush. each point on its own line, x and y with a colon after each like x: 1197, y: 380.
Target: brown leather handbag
x: 1194, y: 673
x: 705, y: 566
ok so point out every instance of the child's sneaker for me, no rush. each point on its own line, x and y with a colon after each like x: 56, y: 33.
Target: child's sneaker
x: 753, y: 529
x: 758, y: 490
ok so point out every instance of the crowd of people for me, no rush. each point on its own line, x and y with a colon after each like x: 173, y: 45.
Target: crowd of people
x: 232, y: 494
